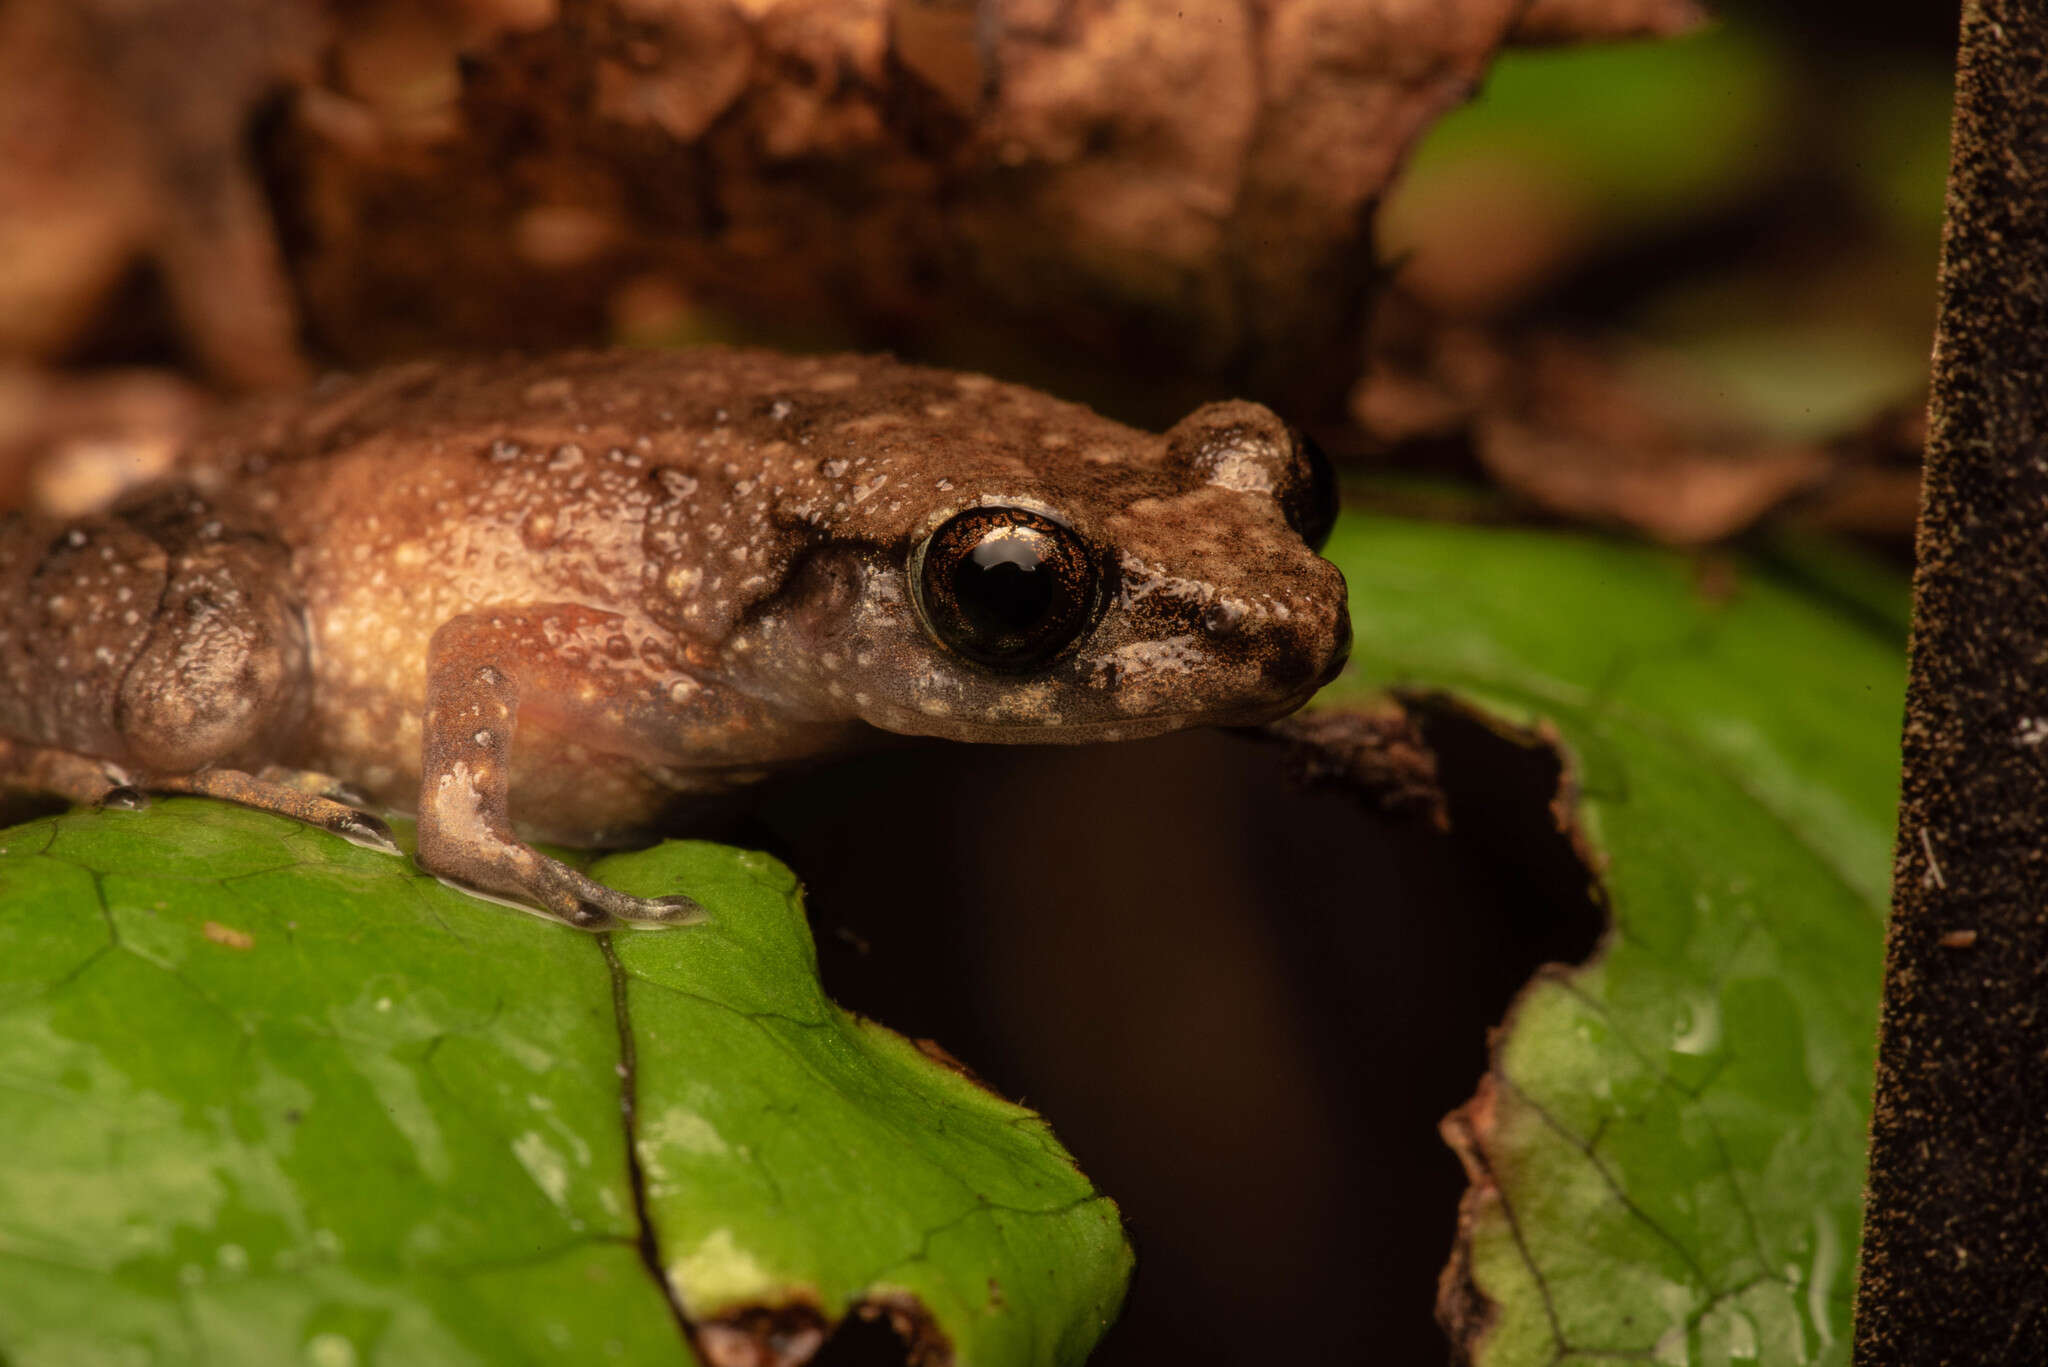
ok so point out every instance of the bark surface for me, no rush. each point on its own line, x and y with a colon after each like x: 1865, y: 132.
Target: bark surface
x: 1955, y: 1253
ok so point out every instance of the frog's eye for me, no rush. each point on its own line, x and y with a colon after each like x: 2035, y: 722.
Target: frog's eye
x: 1005, y: 587
x: 1309, y: 497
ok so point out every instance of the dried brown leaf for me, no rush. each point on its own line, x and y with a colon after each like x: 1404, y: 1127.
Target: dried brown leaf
x: 1572, y: 21
x: 1635, y: 440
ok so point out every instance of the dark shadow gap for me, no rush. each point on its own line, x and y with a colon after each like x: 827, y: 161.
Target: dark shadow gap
x: 861, y: 1342
x: 1244, y: 1005
x: 885, y: 1335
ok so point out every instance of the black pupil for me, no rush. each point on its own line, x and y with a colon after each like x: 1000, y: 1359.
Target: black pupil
x: 1005, y: 587
x: 1003, y: 584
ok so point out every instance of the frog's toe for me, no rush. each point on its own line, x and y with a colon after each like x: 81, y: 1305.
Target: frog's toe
x: 286, y: 799
x: 314, y: 784
x: 360, y: 828
x: 122, y: 797
x: 587, y: 904
x: 598, y: 907
x: 649, y: 913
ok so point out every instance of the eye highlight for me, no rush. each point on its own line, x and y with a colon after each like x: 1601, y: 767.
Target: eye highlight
x: 1004, y: 587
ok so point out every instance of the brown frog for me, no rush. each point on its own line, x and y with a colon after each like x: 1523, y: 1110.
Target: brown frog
x: 542, y: 598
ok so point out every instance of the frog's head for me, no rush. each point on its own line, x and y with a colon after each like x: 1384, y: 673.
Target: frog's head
x: 1092, y: 590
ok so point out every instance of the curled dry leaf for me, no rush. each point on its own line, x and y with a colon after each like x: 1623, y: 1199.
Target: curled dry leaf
x: 1587, y: 434
x: 122, y: 142
x: 1189, y: 175
x: 1564, y: 21
x: 1186, y: 181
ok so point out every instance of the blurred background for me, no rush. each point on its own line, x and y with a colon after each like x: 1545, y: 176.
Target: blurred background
x: 1679, y: 289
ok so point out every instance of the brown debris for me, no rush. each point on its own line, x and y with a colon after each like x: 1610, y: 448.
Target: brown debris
x: 1380, y: 755
x: 793, y: 1334
x: 228, y: 936
x: 763, y: 1336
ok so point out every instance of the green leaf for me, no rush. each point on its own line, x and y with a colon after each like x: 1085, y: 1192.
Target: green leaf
x: 269, y: 1098
x: 1668, y: 1150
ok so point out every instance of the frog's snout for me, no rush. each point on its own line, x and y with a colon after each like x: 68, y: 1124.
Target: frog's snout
x: 1294, y: 671
x: 1340, y: 652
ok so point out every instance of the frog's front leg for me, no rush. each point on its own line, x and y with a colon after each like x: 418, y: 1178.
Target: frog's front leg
x: 479, y: 667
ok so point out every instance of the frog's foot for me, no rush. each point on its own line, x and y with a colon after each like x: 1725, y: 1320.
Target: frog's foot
x: 286, y: 799
x: 509, y: 869
x: 83, y: 780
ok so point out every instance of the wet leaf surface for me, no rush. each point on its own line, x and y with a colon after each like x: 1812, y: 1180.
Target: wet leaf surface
x: 267, y: 1097
x: 1667, y: 1152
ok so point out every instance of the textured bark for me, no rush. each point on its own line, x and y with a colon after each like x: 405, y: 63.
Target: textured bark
x: 1955, y: 1252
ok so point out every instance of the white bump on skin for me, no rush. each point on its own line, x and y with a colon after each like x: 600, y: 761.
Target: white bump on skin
x: 1241, y: 473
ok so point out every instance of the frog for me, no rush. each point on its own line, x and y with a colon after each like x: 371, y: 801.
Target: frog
x: 547, y: 599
